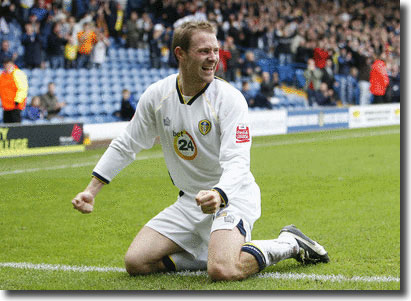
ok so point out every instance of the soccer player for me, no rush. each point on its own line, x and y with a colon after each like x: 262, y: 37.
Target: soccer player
x: 203, y: 127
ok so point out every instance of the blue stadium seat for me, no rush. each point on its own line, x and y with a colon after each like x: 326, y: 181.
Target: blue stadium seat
x: 83, y: 99
x: 108, y: 108
x: 300, y: 79
x: 105, y: 89
x: 69, y: 110
x: 95, y: 98
x: 286, y: 74
x: 70, y: 99
x: 84, y: 109
x: 97, y: 109
x: 94, y: 88
x: 106, y: 97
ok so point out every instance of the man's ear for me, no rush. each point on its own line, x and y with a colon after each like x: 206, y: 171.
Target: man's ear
x: 179, y: 53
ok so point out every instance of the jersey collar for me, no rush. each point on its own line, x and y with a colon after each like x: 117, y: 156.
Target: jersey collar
x: 192, y: 99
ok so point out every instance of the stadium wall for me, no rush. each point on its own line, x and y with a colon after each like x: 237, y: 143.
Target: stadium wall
x: 276, y: 122
x: 18, y: 140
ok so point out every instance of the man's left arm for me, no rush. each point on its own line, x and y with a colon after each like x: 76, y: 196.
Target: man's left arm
x: 234, y: 155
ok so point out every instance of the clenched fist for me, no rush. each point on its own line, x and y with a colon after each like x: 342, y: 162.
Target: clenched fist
x: 83, y: 202
x: 209, y: 201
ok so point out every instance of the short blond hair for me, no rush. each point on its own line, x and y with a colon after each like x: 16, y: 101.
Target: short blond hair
x: 182, y: 34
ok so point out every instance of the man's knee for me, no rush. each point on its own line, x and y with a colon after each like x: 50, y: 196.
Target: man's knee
x: 135, y: 265
x: 225, y: 272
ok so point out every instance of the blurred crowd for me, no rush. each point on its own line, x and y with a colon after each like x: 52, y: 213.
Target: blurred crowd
x: 324, y: 37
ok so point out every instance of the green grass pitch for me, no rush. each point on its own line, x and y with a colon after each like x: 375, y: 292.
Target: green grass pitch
x: 341, y: 188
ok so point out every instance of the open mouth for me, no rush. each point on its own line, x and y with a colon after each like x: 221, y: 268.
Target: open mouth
x: 208, y: 69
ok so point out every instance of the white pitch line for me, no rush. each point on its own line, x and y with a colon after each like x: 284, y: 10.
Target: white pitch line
x: 278, y: 143
x: 64, y: 166
x: 329, y: 138
x: 281, y: 276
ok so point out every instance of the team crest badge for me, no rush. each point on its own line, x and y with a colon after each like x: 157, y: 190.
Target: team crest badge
x: 204, y: 126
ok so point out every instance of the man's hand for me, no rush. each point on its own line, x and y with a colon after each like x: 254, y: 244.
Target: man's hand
x: 83, y: 202
x: 209, y: 201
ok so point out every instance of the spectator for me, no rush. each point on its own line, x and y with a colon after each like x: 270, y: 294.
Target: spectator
x: 128, y: 106
x: 87, y: 38
x: 304, y: 51
x: 34, y: 111
x: 70, y: 53
x: 328, y: 74
x: 325, y: 96
x: 133, y: 32
x: 24, y: 10
x: 50, y: 102
x: 249, y: 67
x: 33, y: 52
x: 260, y: 101
x: 13, y: 91
x: 267, y: 86
x: 100, y: 21
x: 353, y: 90
x: 312, y: 81
x: 284, y: 35
x: 99, y: 52
x: 114, y: 17
x: 233, y: 64
x: 118, y: 25
x: 156, y: 44
x: 224, y: 55
x: 363, y: 61
x: 40, y: 9
x: 146, y: 26
x: 246, y: 90
x: 394, y: 87
x: 345, y: 62
x: 276, y: 80
x: 73, y: 28
x: 5, y: 51
x: 379, y: 80
x: 320, y: 55
x: 55, y: 47
x: 79, y: 8
x: 46, y: 28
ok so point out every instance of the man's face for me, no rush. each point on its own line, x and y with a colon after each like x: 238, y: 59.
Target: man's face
x: 201, y: 59
x: 51, y: 88
x: 9, y: 67
x: 5, y: 45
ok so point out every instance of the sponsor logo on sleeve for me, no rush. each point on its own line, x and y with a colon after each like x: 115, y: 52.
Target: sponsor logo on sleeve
x: 242, y: 134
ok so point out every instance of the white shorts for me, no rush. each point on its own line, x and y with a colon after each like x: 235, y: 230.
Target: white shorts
x: 186, y: 225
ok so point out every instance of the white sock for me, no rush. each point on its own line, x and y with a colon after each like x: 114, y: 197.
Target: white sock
x: 184, y: 261
x: 269, y: 252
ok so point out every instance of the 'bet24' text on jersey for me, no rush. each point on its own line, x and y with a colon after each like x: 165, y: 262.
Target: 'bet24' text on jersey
x: 205, y: 138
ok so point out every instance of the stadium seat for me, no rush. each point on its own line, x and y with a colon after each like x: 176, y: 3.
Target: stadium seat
x: 69, y: 110
x: 300, y: 79
x: 84, y: 109
x: 106, y: 97
x: 83, y: 99
x: 71, y: 99
x: 96, y: 109
x: 108, y: 108
x: 286, y: 74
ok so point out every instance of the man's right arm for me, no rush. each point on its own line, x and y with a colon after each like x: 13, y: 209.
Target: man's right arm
x: 139, y: 134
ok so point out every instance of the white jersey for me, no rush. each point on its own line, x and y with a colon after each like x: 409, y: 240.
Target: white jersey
x: 205, y: 138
